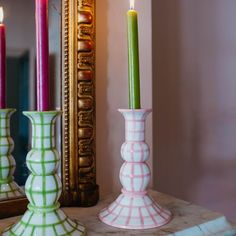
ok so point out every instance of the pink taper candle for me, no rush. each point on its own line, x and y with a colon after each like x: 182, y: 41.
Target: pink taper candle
x: 41, y: 15
x: 2, y: 61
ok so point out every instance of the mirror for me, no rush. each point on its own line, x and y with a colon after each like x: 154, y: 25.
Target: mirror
x: 21, y: 74
x: 18, y: 66
x: 72, y: 65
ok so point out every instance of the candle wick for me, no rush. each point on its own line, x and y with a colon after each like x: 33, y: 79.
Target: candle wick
x: 131, y: 4
x: 1, y: 15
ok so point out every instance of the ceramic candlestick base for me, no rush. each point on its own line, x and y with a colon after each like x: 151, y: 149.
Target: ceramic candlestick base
x: 134, y: 209
x: 8, y: 188
x: 43, y: 187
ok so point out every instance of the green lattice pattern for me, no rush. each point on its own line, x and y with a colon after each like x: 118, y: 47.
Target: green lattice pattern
x: 46, y: 224
x: 43, y: 190
x: 43, y: 187
x: 42, y: 129
x: 43, y: 162
x: 7, y: 162
x: 5, y: 115
x: 8, y: 188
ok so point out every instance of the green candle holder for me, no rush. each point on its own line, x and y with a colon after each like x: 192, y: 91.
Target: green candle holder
x: 8, y: 187
x: 43, y: 187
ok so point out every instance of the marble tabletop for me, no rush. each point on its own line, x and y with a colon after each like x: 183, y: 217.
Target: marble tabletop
x: 188, y: 220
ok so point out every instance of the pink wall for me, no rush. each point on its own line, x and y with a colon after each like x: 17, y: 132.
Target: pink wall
x: 194, y: 61
x: 112, y: 84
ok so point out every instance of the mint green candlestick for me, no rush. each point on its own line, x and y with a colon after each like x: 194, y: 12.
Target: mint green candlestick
x: 133, y: 56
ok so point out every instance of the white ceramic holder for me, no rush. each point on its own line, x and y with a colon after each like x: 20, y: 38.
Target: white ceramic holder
x: 8, y: 187
x: 134, y: 209
x: 43, y: 187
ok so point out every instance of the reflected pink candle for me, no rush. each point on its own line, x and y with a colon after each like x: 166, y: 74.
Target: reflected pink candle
x: 2, y: 63
x: 41, y: 16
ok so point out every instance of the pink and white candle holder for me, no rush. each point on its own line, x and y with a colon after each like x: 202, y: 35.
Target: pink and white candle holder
x: 134, y: 209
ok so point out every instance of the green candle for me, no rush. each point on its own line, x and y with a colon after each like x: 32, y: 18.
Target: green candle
x: 133, y: 49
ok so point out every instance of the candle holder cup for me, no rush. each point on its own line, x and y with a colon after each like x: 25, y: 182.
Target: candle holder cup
x: 43, y: 187
x: 8, y: 187
x: 134, y: 209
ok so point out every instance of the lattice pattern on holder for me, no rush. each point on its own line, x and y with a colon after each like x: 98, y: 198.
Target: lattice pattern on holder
x: 53, y: 223
x: 43, y: 187
x: 8, y: 188
x: 135, y: 212
x: 134, y: 209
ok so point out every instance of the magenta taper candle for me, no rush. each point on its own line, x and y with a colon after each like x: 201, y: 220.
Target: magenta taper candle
x: 2, y: 61
x: 41, y: 17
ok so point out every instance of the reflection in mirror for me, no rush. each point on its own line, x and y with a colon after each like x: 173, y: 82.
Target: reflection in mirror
x: 55, y: 70
x: 20, y: 77
x: 19, y: 19
x: 18, y: 98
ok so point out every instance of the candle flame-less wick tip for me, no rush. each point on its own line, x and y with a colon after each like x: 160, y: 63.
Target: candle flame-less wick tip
x: 1, y: 15
x: 132, y: 4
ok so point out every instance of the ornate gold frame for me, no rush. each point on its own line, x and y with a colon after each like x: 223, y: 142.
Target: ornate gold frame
x: 78, y: 99
x: 78, y: 172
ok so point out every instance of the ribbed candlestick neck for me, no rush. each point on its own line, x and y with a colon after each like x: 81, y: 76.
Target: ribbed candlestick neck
x: 5, y: 115
x: 43, y: 129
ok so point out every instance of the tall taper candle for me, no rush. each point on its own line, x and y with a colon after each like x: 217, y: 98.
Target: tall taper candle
x: 133, y: 49
x: 2, y: 61
x: 41, y: 16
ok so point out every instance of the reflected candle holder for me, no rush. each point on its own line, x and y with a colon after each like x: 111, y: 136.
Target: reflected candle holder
x: 134, y: 209
x: 43, y: 187
x: 8, y: 187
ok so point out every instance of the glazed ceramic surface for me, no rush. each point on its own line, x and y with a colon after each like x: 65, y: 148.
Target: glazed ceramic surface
x: 8, y: 188
x: 134, y: 208
x: 43, y: 187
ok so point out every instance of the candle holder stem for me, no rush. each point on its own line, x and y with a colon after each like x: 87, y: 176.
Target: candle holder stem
x: 134, y: 209
x: 8, y: 187
x: 43, y: 187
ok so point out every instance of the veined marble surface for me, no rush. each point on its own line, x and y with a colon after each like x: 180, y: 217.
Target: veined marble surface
x: 188, y: 220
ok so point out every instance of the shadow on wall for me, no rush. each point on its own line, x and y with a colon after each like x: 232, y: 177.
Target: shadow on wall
x: 105, y: 177
x: 172, y: 158
x: 194, y: 44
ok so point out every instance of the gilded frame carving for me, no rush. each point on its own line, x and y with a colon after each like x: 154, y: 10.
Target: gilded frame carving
x: 78, y: 105
x: 78, y: 163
